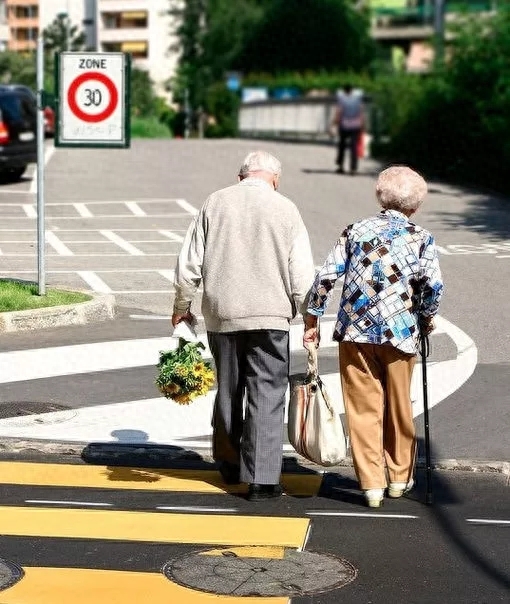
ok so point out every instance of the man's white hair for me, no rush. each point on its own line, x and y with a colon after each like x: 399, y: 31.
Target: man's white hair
x: 400, y: 188
x: 260, y: 161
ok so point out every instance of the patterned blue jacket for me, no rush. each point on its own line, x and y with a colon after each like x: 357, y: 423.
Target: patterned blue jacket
x: 392, y: 277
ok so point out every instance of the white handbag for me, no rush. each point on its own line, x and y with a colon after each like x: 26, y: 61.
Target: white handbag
x: 315, y: 427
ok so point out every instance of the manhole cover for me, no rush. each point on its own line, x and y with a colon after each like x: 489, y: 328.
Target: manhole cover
x: 9, y: 574
x: 21, y: 413
x: 260, y: 571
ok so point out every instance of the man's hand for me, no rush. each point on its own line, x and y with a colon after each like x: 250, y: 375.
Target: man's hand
x: 311, y: 337
x: 187, y: 316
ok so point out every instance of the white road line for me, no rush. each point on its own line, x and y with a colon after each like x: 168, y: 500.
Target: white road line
x: 443, y: 250
x: 94, y: 282
x: 59, y: 246
x: 1, y: 253
x: 171, y: 235
x: 29, y: 210
x: 502, y: 256
x: 178, y: 215
x: 97, y: 270
x: 186, y: 206
x: 34, y: 253
x: 488, y: 521
x: 60, y: 230
x: 135, y: 208
x: 197, y: 508
x: 168, y: 275
x: 143, y: 291
x: 56, y: 502
x: 360, y: 514
x: 82, y: 210
x: 48, y: 154
x: 122, y: 243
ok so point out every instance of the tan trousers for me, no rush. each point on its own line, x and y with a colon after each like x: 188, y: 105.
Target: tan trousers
x: 376, y: 385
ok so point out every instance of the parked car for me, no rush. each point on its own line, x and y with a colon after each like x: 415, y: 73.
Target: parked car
x: 18, y: 129
x: 49, y: 122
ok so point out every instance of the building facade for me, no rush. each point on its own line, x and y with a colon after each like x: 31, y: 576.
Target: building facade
x: 21, y: 21
x: 143, y: 29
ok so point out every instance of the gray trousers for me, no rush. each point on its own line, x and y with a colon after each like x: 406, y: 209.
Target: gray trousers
x: 255, y: 363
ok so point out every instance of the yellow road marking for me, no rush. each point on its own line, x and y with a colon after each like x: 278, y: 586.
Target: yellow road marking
x: 260, y: 551
x: 83, y: 586
x: 112, y: 477
x: 152, y: 526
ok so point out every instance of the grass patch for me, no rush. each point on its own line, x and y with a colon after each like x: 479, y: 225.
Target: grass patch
x: 148, y: 127
x: 23, y: 296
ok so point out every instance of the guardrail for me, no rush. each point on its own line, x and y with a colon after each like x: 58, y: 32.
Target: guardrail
x: 301, y: 118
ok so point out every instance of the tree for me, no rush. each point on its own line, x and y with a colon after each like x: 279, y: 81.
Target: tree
x: 309, y: 35
x: 61, y: 35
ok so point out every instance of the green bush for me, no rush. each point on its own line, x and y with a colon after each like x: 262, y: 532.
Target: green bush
x: 223, y: 106
x: 148, y: 127
x: 455, y: 123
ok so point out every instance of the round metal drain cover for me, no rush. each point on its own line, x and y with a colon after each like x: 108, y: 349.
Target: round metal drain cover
x: 20, y: 413
x: 260, y: 571
x: 9, y: 574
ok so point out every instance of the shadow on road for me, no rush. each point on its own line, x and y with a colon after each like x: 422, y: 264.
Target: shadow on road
x: 486, y: 214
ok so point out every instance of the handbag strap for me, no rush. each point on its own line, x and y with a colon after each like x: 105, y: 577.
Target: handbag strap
x: 313, y: 363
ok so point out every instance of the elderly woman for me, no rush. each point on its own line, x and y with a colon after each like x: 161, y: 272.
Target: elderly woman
x: 392, y: 285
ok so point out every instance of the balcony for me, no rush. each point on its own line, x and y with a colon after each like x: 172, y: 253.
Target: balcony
x: 122, y: 35
x: 414, y: 19
x: 21, y: 45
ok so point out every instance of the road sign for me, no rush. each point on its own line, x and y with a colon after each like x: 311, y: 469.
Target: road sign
x: 92, y: 91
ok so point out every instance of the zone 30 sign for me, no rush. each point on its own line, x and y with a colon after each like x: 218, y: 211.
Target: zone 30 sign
x: 92, y: 91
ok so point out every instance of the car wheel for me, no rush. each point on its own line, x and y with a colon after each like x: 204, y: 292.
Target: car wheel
x: 15, y: 174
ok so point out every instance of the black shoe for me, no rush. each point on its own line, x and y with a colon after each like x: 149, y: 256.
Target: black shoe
x: 340, y: 171
x: 260, y: 492
x: 229, y: 472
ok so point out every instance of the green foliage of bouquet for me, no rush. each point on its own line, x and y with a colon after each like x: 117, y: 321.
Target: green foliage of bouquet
x: 183, y: 373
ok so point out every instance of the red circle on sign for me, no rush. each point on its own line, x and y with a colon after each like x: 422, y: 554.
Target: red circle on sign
x: 92, y: 117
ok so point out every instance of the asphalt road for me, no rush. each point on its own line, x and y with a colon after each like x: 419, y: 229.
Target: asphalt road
x: 116, y: 220
x: 453, y: 551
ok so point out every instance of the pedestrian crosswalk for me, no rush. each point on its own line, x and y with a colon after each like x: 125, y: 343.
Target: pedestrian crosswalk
x: 76, y: 513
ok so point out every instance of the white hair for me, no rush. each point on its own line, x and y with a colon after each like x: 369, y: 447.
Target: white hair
x: 400, y: 188
x: 260, y: 161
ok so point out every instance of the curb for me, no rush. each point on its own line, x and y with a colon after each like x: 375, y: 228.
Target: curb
x: 163, y: 454
x: 100, y: 308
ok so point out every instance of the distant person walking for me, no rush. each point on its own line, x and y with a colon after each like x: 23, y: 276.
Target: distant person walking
x: 392, y: 284
x: 250, y: 248
x: 350, y: 121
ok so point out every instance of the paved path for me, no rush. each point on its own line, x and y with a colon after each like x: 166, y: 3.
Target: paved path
x: 115, y: 221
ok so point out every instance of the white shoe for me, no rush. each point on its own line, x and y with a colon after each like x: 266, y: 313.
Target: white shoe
x: 397, y: 489
x: 374, y: 497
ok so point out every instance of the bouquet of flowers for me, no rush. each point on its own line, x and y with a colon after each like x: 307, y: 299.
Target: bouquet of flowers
x: 183, y: 373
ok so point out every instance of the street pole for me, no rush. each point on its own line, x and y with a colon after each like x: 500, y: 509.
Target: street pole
x: 41, y: 235
x: 187, y: 112
x: 439, y: 28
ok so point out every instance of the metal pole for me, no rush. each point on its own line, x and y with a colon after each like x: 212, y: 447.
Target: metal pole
x: 41, y: 235
x: 187, y: 112
x: 439, y: 7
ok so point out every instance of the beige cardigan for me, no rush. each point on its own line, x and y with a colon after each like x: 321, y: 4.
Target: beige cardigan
x: 250, y: 248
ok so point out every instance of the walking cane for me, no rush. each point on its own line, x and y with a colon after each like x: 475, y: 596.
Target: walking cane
x: 424, y: 351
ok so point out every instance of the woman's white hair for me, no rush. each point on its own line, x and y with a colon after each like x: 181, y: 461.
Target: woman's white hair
x: 400, y: 188
x: 260, y: 161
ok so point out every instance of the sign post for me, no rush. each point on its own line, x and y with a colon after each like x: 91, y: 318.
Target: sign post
x: 93, y: 100
x: 41, y: 230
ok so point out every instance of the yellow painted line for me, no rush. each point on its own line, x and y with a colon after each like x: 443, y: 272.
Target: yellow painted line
x: 260, y: 551
x: 152, y: 526
x: 109, y: 477
x: 82, y: 586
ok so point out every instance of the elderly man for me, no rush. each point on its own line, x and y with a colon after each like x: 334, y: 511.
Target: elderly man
x: 249, y: 246
x: 392, y: 285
